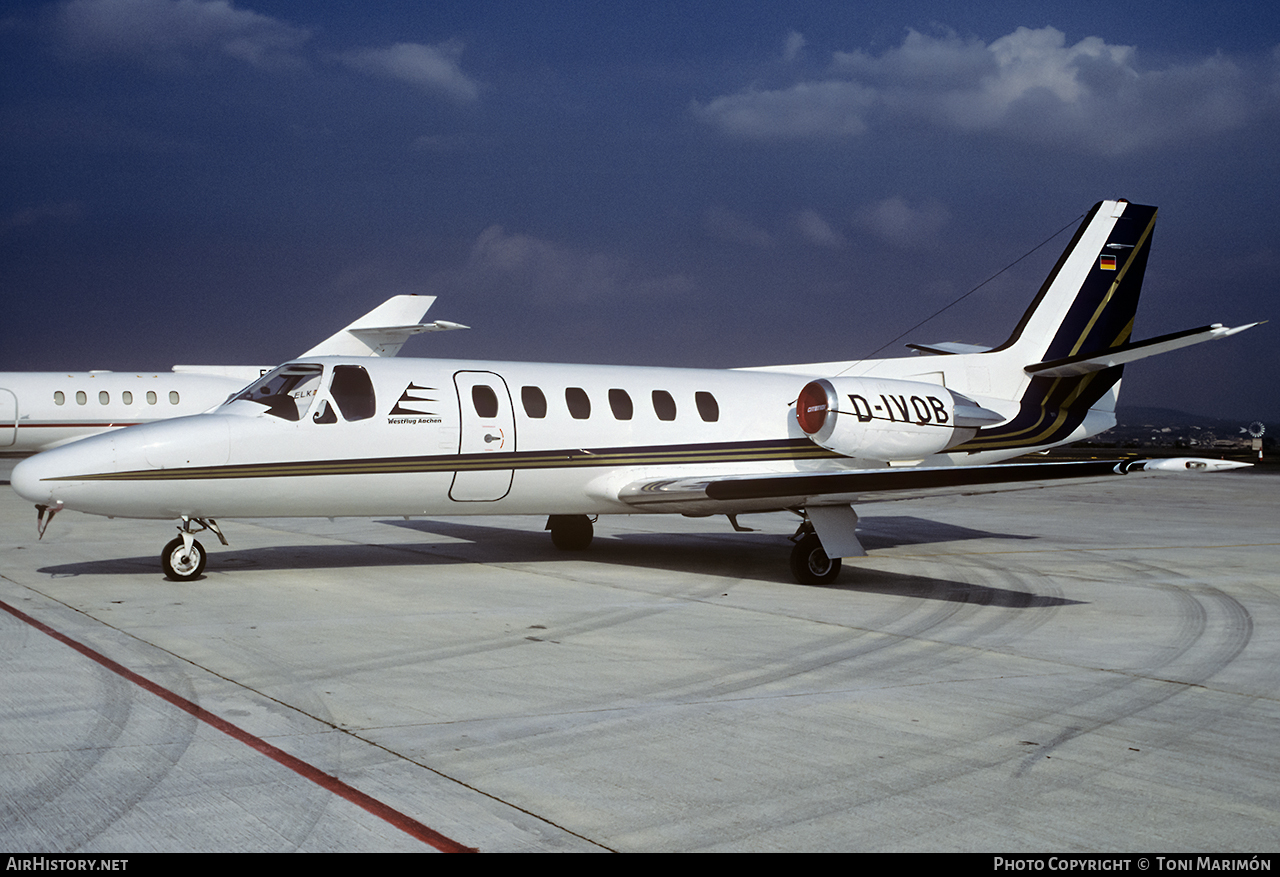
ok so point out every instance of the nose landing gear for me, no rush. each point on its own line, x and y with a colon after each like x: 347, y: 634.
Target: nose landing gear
x: 184, y: 558
x: 182, y: 562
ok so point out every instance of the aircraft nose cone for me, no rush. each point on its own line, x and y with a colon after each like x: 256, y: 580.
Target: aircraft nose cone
x: 27, y: 480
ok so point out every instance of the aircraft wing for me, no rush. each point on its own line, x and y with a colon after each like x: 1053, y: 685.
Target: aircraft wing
x: 728, y: 494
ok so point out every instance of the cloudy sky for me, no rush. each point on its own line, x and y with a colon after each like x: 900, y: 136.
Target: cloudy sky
x: 705, y: 184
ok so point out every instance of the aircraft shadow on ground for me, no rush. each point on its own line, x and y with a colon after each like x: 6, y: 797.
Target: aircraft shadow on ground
x: 736, y: 556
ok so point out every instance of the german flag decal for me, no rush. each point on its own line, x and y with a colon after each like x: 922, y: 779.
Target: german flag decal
x: 1107, y: 263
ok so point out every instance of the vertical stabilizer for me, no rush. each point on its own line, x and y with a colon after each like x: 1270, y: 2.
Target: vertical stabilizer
x: 1085, y: 307
x: 1087, y: 303
x: 384, y: 330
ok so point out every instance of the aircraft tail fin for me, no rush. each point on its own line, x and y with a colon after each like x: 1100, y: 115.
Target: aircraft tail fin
x: 1084, y: 312
x: 1064, y: 360
x: 384, y: 330
x: 1088, y: 302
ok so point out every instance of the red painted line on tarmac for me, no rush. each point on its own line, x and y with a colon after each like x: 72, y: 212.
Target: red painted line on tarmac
x: 407, y: 824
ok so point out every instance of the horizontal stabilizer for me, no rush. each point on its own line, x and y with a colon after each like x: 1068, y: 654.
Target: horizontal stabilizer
x: 948, y: 347
x: 1073, y: 366
x: 435, y: 326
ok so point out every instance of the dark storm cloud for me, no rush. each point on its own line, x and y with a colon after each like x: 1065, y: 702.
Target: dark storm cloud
x: 1029, y: 85
x: 432, y: 68
x: 173, y: 32
x: 715, y: 184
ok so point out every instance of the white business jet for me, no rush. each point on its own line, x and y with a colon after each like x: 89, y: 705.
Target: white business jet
x: 336, y: 436
x: 42, y: 410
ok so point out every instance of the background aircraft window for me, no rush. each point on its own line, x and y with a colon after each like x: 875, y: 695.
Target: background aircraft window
x: 535, y: 404
x: 81, y: 398
x: 352, y: 390
x: 126, y: 397
x: 58, y: 398
x: 663, y: 405
x: 620, y: 402
x: 579, y: 404
x: 173, y: 397
x: 708, y: 408
x: 103, y: 397
x: 151, y: 397
x: 485, y: 400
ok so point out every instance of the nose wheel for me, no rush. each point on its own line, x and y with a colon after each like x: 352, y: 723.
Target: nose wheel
x: 183, y: 559
x: 181, y: 562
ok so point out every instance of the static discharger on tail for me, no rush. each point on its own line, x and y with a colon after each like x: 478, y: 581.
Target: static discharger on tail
x: 351, y: 436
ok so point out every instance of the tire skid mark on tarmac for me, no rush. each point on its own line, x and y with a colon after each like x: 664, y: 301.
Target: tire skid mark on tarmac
x: 910, y: 774
x: 65, y: 804
x: 308, y: 802
x: 1101, y: 706
x: 893, y: 643
x: 957, y: 614
x: 69, y: 802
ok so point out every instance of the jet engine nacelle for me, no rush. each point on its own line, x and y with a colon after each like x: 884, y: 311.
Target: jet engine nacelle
x: 887, y: 420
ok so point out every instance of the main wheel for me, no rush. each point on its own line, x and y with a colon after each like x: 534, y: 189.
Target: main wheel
x: 180, y: 566
x: 810, y: 564
x: 570, y: 532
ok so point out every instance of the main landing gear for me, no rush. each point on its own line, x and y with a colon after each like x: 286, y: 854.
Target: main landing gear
x: 809, y: 562
x: 184, y: 558
x: 570, y: 532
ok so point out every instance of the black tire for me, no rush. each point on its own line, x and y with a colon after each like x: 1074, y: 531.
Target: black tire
x: 178, y: 565
x: 810, y: 564
x: 570, y: 532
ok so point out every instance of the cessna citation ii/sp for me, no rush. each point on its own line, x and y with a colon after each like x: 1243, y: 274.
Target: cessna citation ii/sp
x: 342, y: 436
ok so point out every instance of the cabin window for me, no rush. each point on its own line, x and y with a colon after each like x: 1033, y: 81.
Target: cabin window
x: 535, y: 404
x: 173, y: 397
x: 59, y: 398
x: 126, y: 397
x: 579, y: 404
x: 708, y: 408
x: 620, y: 402
x: 663, y: 405
x: 151, y: 397
x: 285, y: 392
x: 484, y: 400
x: 81, y: 398
x: 103, y: 397
x: 352, y: 390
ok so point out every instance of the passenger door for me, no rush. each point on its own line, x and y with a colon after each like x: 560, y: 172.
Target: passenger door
x: 488, y: 435
x: 8, y: 418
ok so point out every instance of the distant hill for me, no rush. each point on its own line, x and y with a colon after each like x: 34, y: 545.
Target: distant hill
x: 1169, y: 427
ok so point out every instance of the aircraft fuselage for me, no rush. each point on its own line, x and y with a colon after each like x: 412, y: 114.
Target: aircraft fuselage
x: 456, y: 437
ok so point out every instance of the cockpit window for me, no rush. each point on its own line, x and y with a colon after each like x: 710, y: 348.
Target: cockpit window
x: 353, y: 391
x: 286, y: 392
